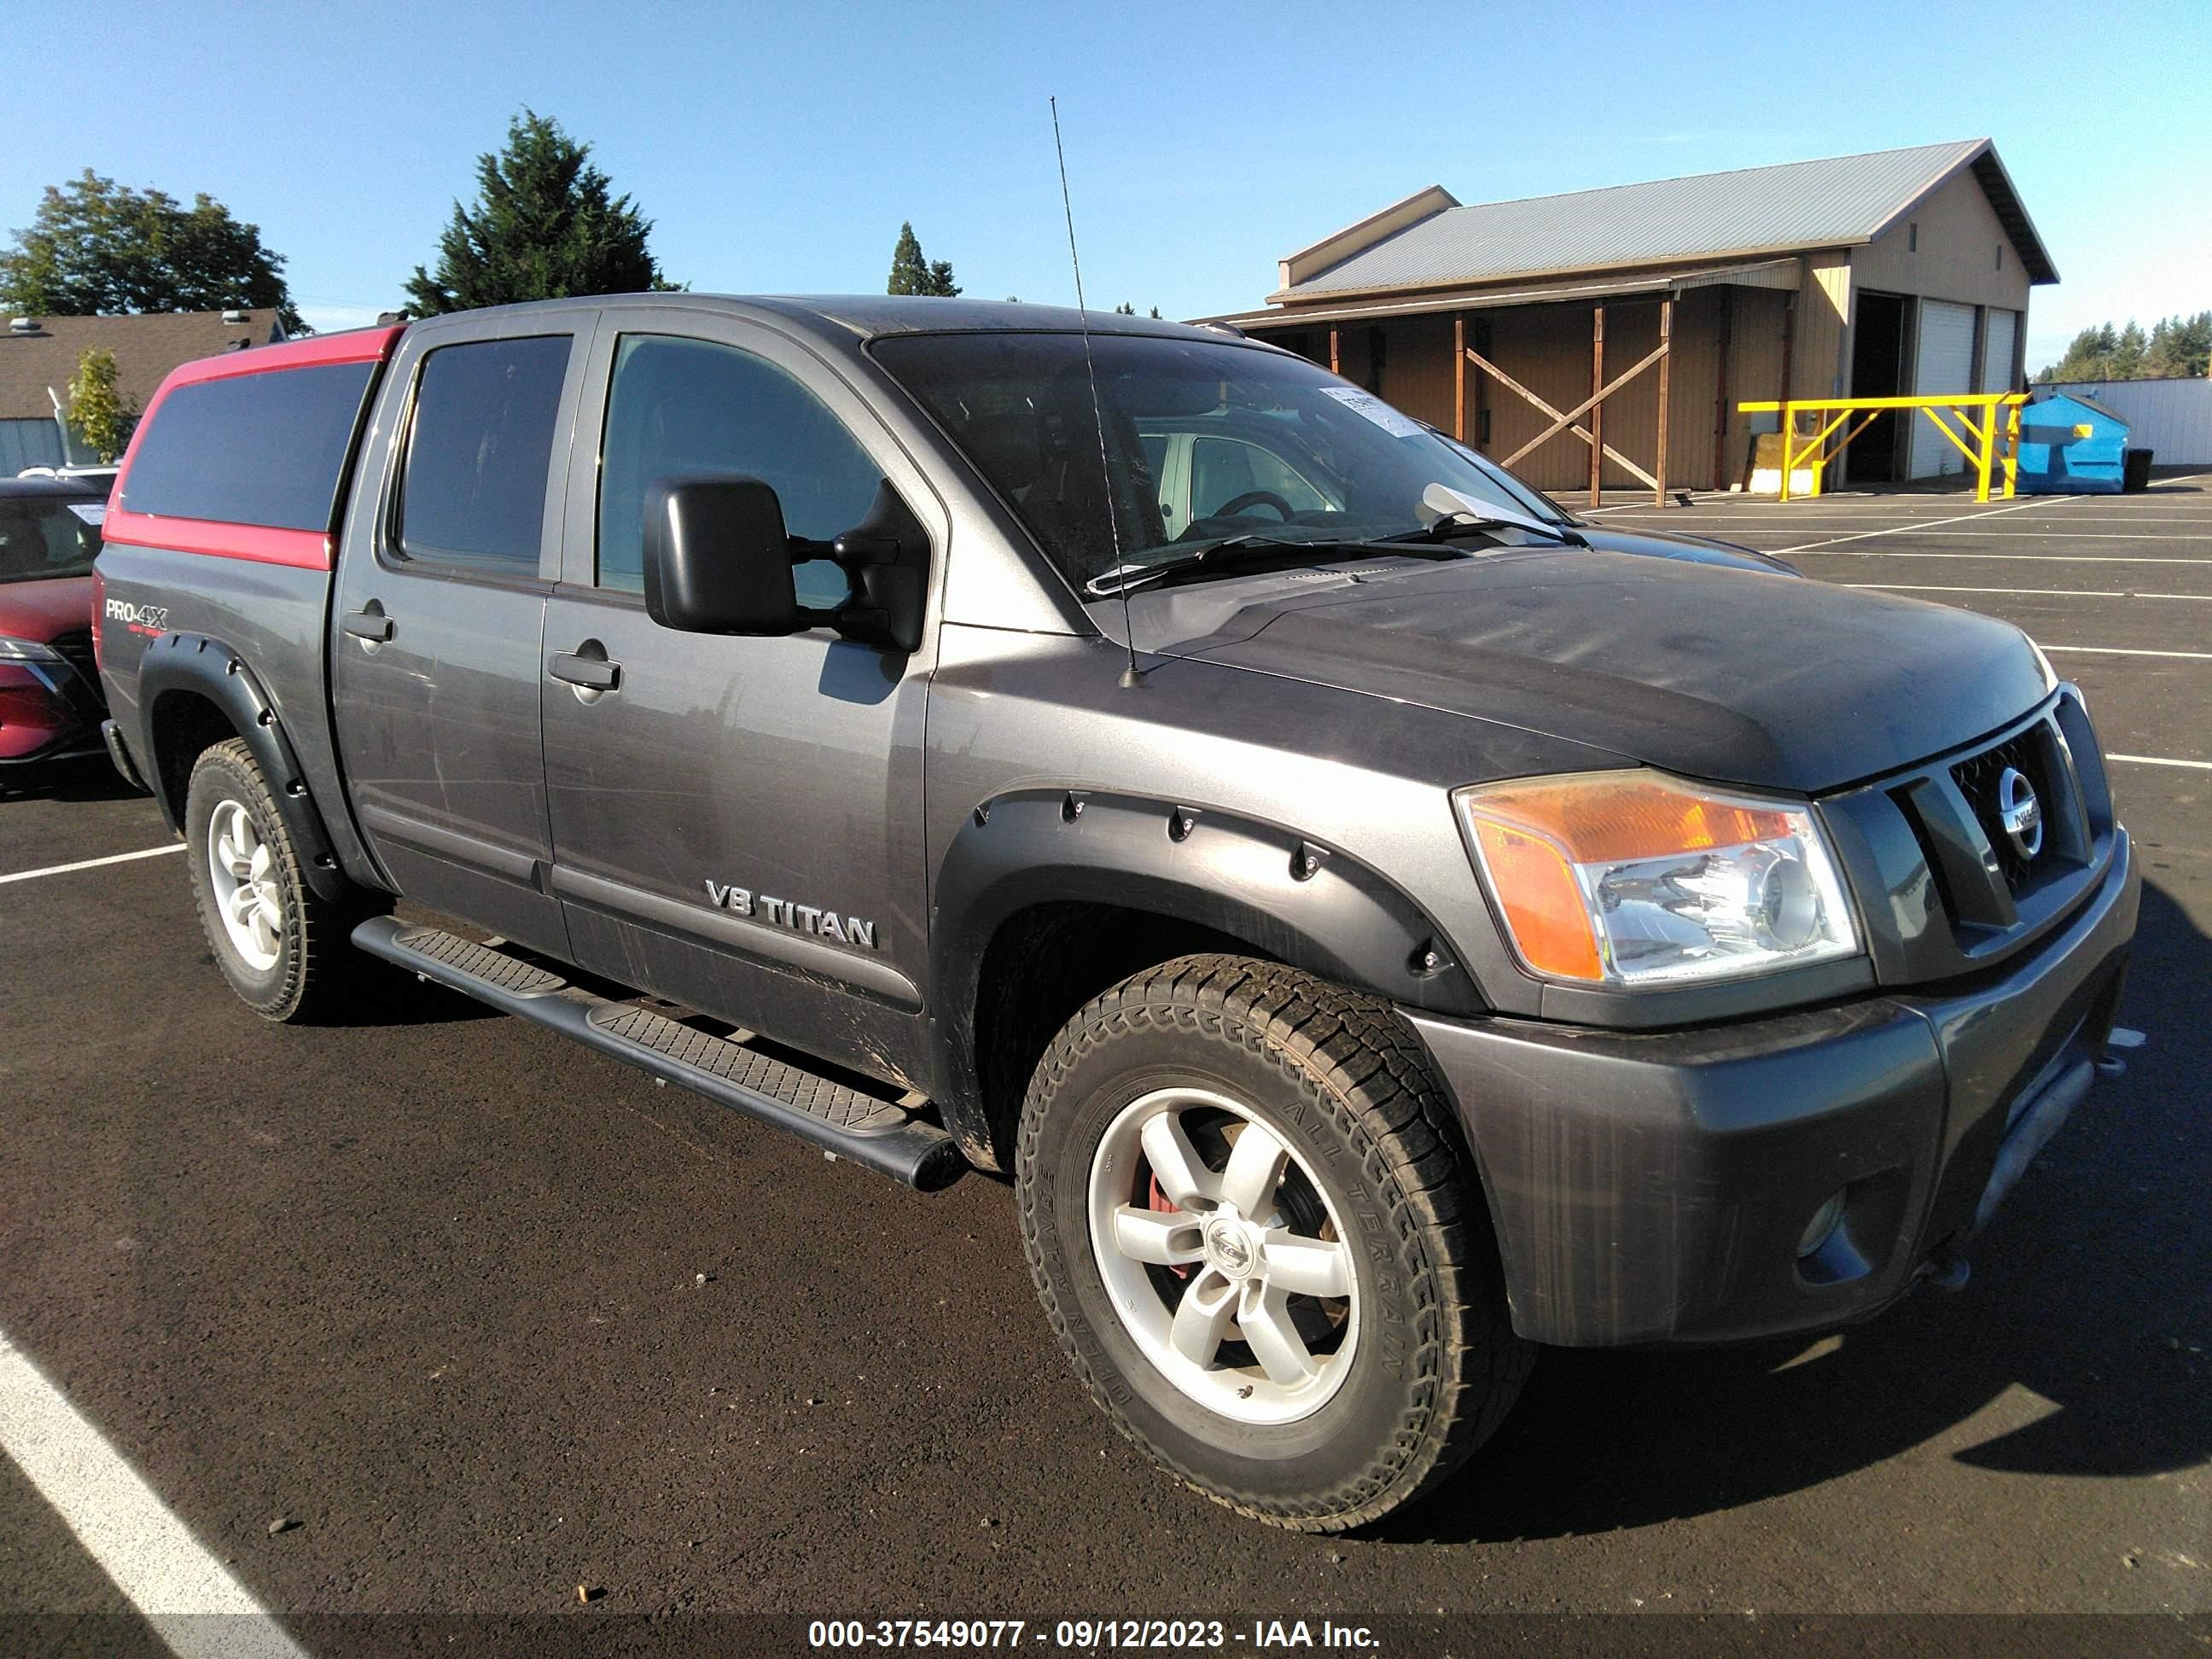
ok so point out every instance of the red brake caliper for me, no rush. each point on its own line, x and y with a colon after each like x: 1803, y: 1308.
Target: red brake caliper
x: 1159, y: 1201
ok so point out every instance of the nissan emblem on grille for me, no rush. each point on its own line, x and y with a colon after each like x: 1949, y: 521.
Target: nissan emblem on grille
x: 2021, y: 813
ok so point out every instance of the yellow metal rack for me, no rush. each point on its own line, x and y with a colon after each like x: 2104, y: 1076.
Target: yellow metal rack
x: 1989, y: 445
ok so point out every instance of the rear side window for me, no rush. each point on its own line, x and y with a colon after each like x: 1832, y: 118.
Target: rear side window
x: 260, y: 449
x: 474, y: 492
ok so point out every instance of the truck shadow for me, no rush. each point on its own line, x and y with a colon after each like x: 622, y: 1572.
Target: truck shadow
x: 2084, y: 1340
x: 91, y: 778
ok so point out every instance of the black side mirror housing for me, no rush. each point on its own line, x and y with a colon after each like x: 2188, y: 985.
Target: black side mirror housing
x: 886, y: 558
x: 718, y: 558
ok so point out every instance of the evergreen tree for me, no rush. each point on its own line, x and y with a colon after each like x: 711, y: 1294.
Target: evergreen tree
x: 2179, y: 345
x: 914, y: 273
x: 545, y: 226
x: 100, y: 249
x: 2126, y: 362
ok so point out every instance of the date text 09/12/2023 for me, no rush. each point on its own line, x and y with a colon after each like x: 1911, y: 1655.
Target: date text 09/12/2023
x: 1262, y: 1636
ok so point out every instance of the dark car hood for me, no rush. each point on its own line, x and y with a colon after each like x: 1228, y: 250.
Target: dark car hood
x: 39, y: 609
x: 1705, y: 670
x: 1670, y: 544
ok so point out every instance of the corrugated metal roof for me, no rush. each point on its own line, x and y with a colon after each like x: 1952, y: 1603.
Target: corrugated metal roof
x: 1766, y: 273
x: 1841, y: 201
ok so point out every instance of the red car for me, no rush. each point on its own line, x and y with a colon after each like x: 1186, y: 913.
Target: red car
x: 50, y: 704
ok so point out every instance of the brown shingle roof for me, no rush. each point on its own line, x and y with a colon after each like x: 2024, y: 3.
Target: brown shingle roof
x: 146, y: 348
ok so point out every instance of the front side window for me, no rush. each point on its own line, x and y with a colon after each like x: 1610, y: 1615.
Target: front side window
x: 1224, y: 471
x: 1316, y: 459
x: 693, y: 409
x: 43, y: 536
x: 474, y: 491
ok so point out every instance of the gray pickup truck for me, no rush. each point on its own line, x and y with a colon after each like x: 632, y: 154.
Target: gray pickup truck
x: 1378, y: 930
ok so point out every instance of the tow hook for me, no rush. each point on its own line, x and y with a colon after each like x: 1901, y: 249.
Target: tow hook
x: 2123, y: 1036
x: 1949, y: 1273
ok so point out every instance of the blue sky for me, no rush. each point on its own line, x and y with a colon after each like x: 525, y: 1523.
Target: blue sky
x: 779, y: 148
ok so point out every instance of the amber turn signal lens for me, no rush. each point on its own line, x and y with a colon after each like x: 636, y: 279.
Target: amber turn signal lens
x: 1599, y: 820
x: 1543, y: 903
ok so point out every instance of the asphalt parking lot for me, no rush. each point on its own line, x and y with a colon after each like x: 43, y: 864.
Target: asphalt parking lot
x: 427, y: 1287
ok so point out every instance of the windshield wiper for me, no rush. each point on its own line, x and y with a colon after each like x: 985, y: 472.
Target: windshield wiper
x: 1237, y: 552
x: 1460, y: 522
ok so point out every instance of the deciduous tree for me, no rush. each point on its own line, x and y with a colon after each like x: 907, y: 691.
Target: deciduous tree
x: 96, y: 248
x: 97, y: 410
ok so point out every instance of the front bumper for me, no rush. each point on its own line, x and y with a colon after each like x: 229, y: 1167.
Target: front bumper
x: 48, y: 711
x: 1654, y: 1186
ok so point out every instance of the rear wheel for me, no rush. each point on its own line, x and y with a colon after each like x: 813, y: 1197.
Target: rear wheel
x: 1252, y: 1227
x: 282, y: 946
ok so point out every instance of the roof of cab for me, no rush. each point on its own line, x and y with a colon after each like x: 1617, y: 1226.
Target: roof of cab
x: 868, y: 316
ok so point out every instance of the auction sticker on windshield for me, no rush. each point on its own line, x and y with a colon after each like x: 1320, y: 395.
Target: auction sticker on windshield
x: 92, y: 512
x: 1367, y: 404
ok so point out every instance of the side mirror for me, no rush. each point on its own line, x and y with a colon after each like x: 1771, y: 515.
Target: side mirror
x: 717, y: 559
x: 886, y: 558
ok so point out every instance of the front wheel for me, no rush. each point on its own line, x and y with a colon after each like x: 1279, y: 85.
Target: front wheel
x: 1253, y: 1230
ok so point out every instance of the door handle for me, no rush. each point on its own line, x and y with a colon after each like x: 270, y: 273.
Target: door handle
x: 367, y: 625
x: 591, y: 673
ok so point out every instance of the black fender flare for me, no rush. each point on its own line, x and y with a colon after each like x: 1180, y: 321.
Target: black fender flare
x: 208, y: 668
x: 1292, y: 898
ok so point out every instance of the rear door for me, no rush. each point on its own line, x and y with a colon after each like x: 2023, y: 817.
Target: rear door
x: 737, y: 822
x: 440, y: 613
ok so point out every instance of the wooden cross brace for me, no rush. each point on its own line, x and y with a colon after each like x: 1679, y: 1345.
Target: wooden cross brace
x: 1570, y: 421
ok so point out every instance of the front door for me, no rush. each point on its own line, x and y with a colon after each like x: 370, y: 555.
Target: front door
x: 441, y: 614
x: 737, y: 822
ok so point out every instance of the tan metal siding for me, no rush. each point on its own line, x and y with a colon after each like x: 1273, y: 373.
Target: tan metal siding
x: 1754, y: 369
x: 1956, y: 259
x: 1816, y: 366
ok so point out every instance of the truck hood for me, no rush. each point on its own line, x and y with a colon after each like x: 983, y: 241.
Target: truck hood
x: 1673, y: 544
x: 1728, y: 674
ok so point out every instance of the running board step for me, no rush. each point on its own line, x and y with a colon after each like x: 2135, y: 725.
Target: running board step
x: 871, y: 1133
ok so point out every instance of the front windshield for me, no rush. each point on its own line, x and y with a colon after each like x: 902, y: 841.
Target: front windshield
x: 1509, y: 489
x: 43, y: 536
x: 1204, y: 441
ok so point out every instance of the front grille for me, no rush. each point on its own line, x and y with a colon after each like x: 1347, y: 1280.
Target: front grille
x: 2030, y: 754
x: 1942, y: 889
x: 81, y: 686
x: 76, y: 646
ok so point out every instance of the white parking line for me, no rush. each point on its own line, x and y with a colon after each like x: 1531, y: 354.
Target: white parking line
x: 2029, y: 593
x: 2124, y: 651
x: 2066, y: 535
x: 192, y: 1603
x: 1899, y: 529
x: 92, y: 864
x: 2034, y: 558
x: 2157, y: 760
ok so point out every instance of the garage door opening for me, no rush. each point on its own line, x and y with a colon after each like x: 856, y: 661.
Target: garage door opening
x: 1877, y: 371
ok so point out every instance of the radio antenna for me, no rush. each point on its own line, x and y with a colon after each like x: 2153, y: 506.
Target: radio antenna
x: 1135, y: 674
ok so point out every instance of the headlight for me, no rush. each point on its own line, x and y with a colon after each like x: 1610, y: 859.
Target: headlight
x: 28, y: 651
x: 1635, y: 879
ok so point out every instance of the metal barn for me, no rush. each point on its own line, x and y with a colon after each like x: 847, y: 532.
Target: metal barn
x: 1603, y: 338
